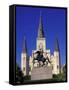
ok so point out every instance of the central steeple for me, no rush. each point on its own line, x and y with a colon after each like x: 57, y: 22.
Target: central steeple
x: 40, y: 28
x: 41, y: 40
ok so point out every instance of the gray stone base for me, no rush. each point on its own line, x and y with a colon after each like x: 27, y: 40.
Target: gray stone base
x: 40, y: 73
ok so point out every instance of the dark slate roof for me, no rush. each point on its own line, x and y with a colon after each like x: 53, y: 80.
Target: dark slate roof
x: 24, y: 46
x: 56, y: 45
x: 40, y: 29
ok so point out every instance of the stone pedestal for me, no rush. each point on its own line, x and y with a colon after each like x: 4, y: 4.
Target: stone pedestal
x: 40, y: 73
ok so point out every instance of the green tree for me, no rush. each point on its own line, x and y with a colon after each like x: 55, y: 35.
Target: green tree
x: 19, y: 75
x: 64, y: 72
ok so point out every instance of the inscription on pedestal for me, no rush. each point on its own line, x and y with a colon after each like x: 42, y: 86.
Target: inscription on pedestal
x: 40, y: 73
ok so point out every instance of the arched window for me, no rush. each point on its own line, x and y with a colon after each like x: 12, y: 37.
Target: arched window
x: 40, y: 46
x: 57, y: 66
x: 52, y: 67
x: 23, y: 68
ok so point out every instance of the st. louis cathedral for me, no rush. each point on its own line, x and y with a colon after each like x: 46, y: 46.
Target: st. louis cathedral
x: 41, y: 56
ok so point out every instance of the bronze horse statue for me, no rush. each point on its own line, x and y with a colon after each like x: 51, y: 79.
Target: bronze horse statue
x: 40, y: 57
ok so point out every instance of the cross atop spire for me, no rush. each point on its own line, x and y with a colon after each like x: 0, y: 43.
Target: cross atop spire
x: 40, y: 29
x: 24, y: 46
x: 56, y: 45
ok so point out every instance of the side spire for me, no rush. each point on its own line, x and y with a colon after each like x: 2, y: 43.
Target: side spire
x: 40, y: 29
x: 56, y: 45
x: 24, y: 46
x: 58, y: 49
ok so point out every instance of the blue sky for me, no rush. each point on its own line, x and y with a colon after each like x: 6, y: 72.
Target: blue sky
x: 54, y: 26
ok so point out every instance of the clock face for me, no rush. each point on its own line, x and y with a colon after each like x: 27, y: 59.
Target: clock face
x: 41, y: 46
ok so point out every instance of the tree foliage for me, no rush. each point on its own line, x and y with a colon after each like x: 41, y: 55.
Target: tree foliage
x: 19, y: 75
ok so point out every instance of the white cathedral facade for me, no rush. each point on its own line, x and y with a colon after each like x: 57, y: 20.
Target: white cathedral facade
x: 41, y: 56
